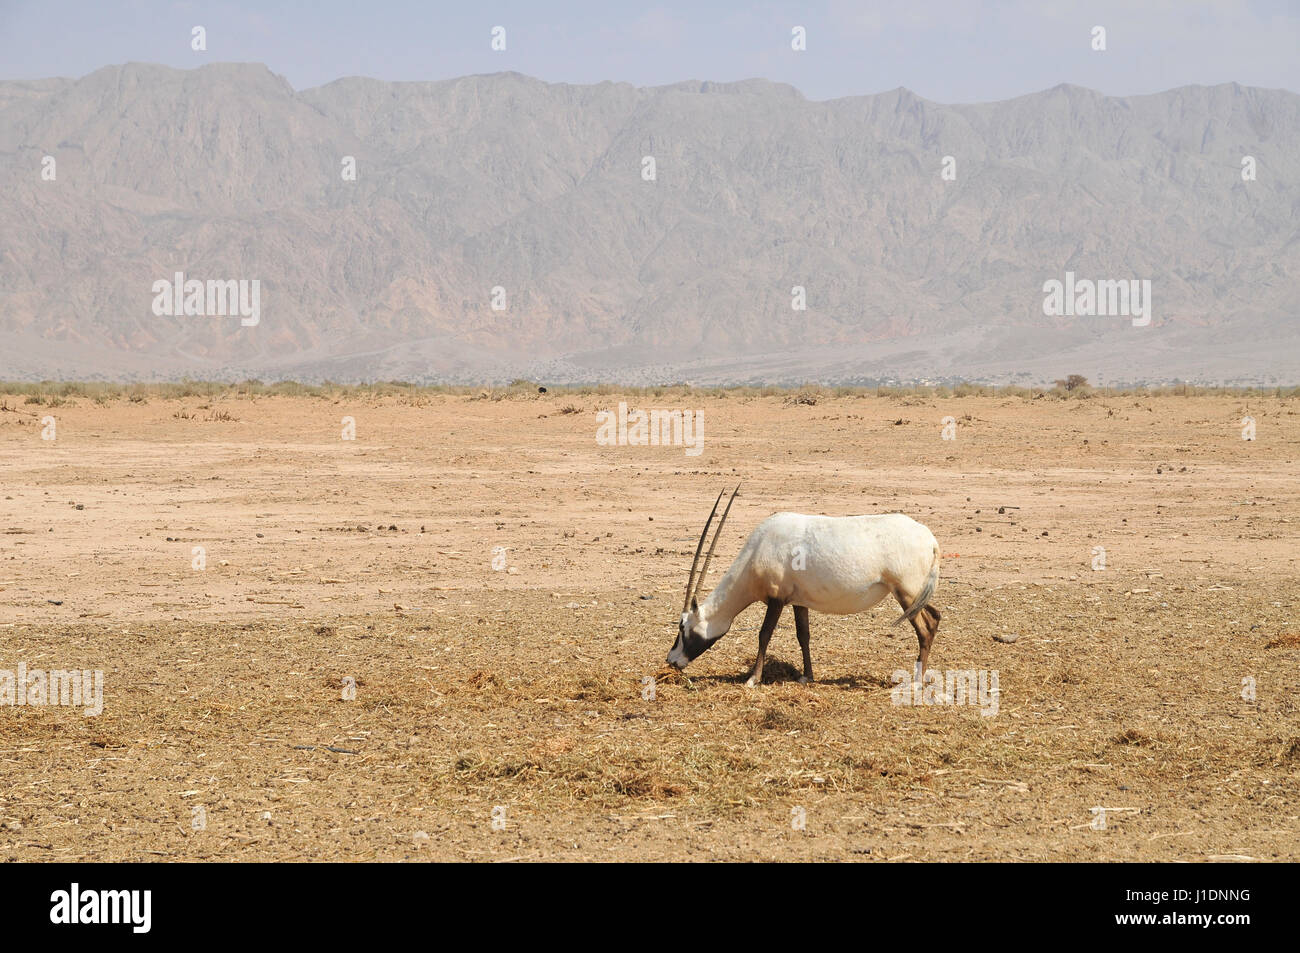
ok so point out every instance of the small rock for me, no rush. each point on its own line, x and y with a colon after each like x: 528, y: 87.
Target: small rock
x: 1008, y: 638
x: 645, y: 597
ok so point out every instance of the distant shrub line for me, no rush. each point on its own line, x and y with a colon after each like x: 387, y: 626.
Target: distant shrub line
x: 54, y: 393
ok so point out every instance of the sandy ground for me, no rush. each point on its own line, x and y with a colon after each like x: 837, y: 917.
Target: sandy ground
x: 500, y: 713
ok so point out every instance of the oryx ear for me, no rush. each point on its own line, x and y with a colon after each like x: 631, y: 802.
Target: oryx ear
x: 694, y: 608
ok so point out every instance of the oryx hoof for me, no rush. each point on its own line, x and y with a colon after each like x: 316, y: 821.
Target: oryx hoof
x: 751, y: 683
x: 805, y: 680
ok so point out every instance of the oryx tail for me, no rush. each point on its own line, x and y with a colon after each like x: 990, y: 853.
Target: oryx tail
x: 927, y: 591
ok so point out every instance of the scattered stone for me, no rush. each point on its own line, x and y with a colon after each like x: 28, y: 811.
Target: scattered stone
x: 1008, y: 638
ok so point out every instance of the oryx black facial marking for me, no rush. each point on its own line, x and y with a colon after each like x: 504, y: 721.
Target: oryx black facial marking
x: 688, y: 647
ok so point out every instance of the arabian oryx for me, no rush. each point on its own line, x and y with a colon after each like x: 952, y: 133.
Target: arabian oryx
x: 835, y: 564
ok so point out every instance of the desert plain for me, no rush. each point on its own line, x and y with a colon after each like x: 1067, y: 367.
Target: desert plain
x: 445, y: 639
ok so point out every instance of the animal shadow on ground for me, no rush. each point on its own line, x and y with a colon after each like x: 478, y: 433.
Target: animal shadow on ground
x: 777, y: 670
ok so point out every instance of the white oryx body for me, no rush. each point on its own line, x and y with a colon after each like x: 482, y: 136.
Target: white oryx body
x: 839, y: 565
x: 833, y: 564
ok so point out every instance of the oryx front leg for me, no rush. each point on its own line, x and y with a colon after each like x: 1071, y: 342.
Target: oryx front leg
x: 774, y: 607
x: 801, y: 630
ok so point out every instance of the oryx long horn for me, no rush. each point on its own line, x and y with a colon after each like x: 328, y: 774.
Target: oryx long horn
x: 716, y: 534
x: 690, y: 582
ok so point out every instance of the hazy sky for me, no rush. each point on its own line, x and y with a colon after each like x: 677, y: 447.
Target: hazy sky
x: 947, y: 50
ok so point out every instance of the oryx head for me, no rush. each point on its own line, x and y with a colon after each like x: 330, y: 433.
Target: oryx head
x: 693, y: 636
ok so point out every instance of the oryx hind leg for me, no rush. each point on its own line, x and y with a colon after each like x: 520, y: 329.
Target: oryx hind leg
x: 805, y: 635
x: 931, y: 616
x: 926, y: 624
x: 925, y: 630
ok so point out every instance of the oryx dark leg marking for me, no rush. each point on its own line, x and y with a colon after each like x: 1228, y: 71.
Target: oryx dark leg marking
x: 926, y: 624
x: 802, y: 631
x: 932, y: 616
x: 925, y: 627
x: 774, y: 607
x: 924, y: 637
